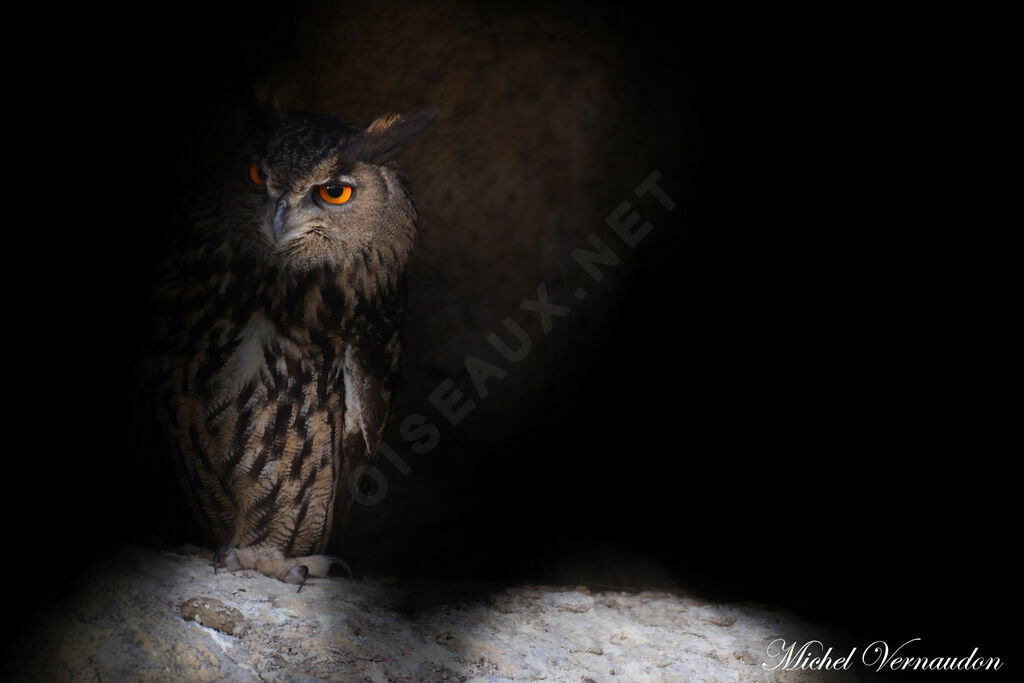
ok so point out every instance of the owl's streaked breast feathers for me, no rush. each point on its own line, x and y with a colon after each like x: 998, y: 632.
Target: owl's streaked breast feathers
x: 276, y: 332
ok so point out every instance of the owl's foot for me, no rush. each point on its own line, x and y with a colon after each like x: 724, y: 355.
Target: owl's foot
x: 272, y: 562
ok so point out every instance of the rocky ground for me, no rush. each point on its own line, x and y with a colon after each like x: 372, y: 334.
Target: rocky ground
x: 159, y: 615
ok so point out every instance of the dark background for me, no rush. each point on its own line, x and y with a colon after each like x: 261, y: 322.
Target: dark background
x: 793, y: 391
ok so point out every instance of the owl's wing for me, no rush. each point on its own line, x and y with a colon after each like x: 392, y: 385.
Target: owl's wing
x: 369, y: 379
x: 181, y: 282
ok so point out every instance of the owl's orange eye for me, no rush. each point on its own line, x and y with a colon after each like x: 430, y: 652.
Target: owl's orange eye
x: 335, y: 194
x: 256, y: 174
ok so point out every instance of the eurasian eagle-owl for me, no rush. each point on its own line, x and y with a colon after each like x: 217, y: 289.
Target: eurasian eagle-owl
x: 276, y: 334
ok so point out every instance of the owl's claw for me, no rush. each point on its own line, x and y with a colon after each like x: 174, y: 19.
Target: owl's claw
x: 297, y: 574
x: 222, y: 551
x: 341, y: 563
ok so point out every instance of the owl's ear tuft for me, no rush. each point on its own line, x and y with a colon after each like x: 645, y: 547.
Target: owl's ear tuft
x: 384, y: 138
x: 383, y: 123
x: 264, y: 97
x: 262, y: 116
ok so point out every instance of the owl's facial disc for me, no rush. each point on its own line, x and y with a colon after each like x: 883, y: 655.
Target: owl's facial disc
x: 292, y: 213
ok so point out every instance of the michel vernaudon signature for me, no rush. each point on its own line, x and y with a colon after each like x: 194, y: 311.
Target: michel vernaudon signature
x: 813, y: 656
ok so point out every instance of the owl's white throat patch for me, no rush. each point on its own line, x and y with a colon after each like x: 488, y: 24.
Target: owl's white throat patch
x: 255, y: 336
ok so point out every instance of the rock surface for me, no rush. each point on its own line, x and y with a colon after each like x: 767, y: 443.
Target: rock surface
x: 134, y: 619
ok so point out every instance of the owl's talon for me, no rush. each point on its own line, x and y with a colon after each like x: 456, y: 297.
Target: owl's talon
x: 341, y: 563
x: 221, y: 552
x: 297, y: 574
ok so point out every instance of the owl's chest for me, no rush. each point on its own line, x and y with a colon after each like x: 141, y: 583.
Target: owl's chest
x: 262, y: 373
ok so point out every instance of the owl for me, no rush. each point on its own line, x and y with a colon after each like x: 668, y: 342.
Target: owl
x: 275, y: 334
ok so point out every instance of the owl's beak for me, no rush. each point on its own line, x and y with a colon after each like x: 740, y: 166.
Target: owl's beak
x: 280, y: 217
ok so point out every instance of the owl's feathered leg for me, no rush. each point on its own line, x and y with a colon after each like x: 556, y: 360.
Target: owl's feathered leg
x: 273, y: 563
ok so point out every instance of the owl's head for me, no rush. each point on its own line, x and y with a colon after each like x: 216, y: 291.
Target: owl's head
x: 317, y: 191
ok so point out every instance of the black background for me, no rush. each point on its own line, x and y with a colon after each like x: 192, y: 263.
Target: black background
x: 836, y: 300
